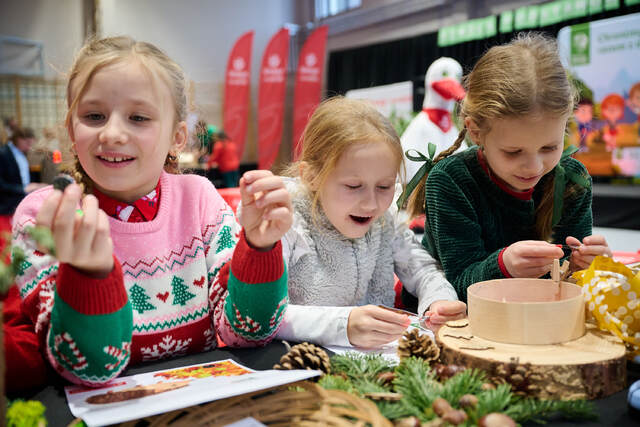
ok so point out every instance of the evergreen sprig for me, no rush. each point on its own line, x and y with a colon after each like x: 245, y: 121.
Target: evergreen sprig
x: 358, y: 366
x: 414, y: 379
x: 43, y: 238
x: 539, y: 411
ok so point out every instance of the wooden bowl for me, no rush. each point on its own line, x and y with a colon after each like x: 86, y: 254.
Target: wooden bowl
x: 526, y: 311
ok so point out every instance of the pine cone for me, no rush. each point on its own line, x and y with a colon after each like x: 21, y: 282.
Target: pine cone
x: 422, y: 346
x: 519, y: 377
x: 305, y: 356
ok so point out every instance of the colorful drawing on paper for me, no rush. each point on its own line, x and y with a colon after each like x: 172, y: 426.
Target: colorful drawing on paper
x: 217, y: 369
x: 135, y: 392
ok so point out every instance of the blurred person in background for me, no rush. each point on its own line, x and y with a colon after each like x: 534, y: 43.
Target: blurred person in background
x: 225, y: 156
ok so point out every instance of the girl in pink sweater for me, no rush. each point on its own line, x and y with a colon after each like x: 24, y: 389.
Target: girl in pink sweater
x: 154, y: 264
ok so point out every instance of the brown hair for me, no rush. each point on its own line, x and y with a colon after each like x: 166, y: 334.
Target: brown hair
x: 22, y: 133
x: 635, y: 88
x: 99, y: 53
x: 335, y: 125
x: 522, y: 77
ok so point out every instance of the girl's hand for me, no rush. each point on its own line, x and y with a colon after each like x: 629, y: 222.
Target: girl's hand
x: 530, y: 258
x: 371, y: 326
x: 266, y: 212
x: 590, y: 247
x: 82, y: 241
x: 443, y: 311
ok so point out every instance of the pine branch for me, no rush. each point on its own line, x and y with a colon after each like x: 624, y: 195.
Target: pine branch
x: 358, y: 366
x: 468, y: 381
x: 336, y: 382
x: 418, y: 385
x: 495, y: 400
x: 538, y: 411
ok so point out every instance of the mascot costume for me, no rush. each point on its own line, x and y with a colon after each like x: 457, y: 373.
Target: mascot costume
x: 434, y: 123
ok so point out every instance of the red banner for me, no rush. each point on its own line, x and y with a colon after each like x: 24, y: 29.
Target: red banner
x: 271, y: 92
x: 306, y: 95
x: 236, y: 91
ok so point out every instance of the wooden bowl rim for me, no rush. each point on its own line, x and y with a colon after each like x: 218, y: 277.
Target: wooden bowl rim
x: 472, y: 288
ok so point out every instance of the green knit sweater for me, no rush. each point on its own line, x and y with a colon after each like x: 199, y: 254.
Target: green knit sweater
x: 470, y: 219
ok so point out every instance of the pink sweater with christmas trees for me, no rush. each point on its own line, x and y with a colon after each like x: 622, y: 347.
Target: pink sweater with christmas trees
x: 172, y: 288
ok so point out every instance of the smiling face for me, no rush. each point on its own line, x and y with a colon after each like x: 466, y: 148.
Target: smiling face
x: 360, y: 188
x: 123, y: 128
x: 521, y: 150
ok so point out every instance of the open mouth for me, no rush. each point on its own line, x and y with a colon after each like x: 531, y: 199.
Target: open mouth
x: 361, y: 219
x: 116, y: 160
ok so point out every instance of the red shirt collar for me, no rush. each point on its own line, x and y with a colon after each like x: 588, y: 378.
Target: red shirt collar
x: 142, y: 210
x: 522, y: 195
x: 440, y: 118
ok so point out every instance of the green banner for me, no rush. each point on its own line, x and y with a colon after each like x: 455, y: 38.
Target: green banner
x: 580, y: 8
x: 506, y: 21
x: 611, y: 4
x: 490, y: 26
x: 551, y: 13
x: 631, y: 2
x: 595, y: 6
x: 526, y: 17
x: 580, y: 44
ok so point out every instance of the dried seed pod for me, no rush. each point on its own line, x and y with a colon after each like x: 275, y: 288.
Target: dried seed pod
x: 407, y: 422
x: 444, y: 372
x: 441, y: 406
x: 455, y: 417
x: 468, y: 401
x: 487, y: 386
x: 386, y: 377
x: 496, y: 419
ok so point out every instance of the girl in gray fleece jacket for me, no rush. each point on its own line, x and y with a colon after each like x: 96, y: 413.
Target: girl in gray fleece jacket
x: 346, y: 242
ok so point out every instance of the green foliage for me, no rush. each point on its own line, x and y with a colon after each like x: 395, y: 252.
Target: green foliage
x: 358, y: 374
x: 523, y: 410
x: 336, y: 382
x: 43, y: 238
x: 26, y: 414
x: 400, y: 123
x: 357, y: 366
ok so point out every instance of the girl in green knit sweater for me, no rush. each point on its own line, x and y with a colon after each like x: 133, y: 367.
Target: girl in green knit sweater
x: 506, y: 207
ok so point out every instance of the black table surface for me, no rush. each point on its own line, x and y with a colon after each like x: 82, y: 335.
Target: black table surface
x: 612, y: 409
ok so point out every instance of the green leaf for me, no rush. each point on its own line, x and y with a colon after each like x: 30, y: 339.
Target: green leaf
x: 432, y: 150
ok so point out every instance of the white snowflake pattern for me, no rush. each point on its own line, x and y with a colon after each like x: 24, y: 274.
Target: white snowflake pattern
x: 167, y: 348
x: 210, y: 340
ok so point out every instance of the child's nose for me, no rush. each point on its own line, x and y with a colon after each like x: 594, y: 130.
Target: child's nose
x: 369, y: 201
x: 113, y: 131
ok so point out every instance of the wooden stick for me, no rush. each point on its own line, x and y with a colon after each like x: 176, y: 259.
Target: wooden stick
x: 555, y: 271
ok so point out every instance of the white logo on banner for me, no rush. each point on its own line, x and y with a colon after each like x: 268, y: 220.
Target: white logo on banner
x: 274, y: 61
x: 238, y: 64
x: 310, y: 60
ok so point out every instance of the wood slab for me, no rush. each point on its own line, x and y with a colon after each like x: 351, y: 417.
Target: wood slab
x: 590, y: 367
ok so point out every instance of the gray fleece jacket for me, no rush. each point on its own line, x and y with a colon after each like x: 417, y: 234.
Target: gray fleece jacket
x: 329, y: 274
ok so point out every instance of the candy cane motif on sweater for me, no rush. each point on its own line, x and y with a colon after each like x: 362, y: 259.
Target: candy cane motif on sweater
x: 120, y: 354
x: 81, y: 361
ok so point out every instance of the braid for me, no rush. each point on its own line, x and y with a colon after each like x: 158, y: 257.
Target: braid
x: 449, y: 151
x: 81, y: 177
x: 416, y: 204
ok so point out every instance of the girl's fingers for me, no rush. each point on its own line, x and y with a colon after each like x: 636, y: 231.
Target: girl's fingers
x: 279, y: 196
x: 86, y: 227
x: 48, y: 209
x: 452, y: 308
x: 281, y: 214
x: 387, y: 317
x: 252, y: 176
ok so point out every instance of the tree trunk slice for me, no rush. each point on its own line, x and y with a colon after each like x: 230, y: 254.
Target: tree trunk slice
x: 590, y: 367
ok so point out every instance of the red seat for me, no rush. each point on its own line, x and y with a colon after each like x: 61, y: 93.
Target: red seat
x: 231, y: 196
